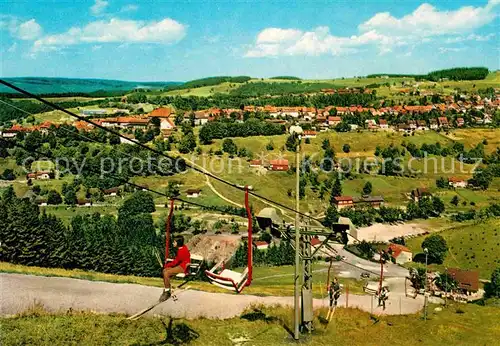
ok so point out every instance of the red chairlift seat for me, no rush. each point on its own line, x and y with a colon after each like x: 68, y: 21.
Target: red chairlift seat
x: 229, y: 279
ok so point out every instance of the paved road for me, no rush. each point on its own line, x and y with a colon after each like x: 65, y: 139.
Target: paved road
x: 345, y: 270
x: 19, y: 292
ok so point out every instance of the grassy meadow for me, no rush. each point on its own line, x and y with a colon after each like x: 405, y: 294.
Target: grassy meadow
x: 268, y: 281
x: 474, y: 246
x: 456, y: 324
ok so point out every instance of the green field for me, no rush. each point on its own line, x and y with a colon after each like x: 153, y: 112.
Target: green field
x: 389, y: 87
x: 456, y: 324
x: 474, y: 246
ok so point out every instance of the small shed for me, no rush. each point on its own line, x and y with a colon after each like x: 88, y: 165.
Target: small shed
x: 193, y: 193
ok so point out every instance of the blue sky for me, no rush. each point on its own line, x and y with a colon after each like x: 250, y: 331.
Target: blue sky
x: 160, y: 40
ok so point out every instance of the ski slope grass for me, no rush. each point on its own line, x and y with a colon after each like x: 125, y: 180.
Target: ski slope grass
x: 456, y: 324
x: 268, y: 281
x: 473, y: 246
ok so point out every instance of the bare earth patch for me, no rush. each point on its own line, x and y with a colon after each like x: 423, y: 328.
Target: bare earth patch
x: 385, y: 232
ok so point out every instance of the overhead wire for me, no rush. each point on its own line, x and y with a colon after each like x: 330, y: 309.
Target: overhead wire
x: 158, y: 152
x: 125, y: 181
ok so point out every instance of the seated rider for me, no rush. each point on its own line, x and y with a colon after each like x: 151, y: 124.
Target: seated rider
x: 334, y: 292
x: 179, y: 265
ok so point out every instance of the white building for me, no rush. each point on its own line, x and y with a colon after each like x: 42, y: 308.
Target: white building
x: 400, y: 253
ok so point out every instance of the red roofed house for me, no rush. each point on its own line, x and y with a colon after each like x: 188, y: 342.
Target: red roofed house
x: 279, y: 165
x: 457, y: 182
x: 166, y: 123
x: 112, y: 192
x: 460, y: 122
x: 256, y: 163
x: 161, y: 112
x: 383, y: 124
x: 193, y: 193
x: 342, y: 202
x: 309, y: 134
x: 400, y: 253
x: 41, y: 175
x: 443, y: 122
x: 468, y: 281
x: 125, y: 122
x: 261, y: 245
x: 334, y: 120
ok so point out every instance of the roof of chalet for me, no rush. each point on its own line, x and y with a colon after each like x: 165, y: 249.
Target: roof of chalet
x: 397, y: 249
x: 193, y: 191
x: 280, y: 162
x: 343, y: 199
x: 162, y: 112
x: 466, y: 279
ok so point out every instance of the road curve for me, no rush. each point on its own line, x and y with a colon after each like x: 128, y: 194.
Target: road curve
x: 20, y: 292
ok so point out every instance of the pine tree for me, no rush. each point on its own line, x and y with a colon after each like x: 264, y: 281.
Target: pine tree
x: 336, y: 191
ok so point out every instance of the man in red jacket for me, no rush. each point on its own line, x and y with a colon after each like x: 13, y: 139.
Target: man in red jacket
x: 178, y: 265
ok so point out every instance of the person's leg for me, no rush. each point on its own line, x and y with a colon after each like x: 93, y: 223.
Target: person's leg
x: 168, y: 272
x: 166, y: 277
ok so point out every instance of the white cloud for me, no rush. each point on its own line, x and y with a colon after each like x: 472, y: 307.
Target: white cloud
x: 470, y: 37
x: 115, y: 30
x: 383, y: 30
x: 451, y: 49
x: 129, y: 8
x: 28, y: 30
x: 277, y: 35
x: 426, y: 20
x: 316, y: 42
x: 98, y: 7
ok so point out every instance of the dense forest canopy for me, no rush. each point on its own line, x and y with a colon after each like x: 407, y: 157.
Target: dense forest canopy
x: 251, y: 127
x: 238, y: 101
x: 457, y: 73
x: 209, y: 81
x: 262, y: 88
x: 286, y: 77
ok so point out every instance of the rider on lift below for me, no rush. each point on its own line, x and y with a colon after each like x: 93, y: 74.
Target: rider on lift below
x: 177, y: 266
x: 334, y: 292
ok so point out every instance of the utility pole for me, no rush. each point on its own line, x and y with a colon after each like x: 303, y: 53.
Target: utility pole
x: 446, y: 287
x: 297, y: 131
x: 425, y: 285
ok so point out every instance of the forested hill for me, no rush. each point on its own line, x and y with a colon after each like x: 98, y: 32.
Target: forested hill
x: 457, y: 73
x: 209, y: 81
x: 45, y: 85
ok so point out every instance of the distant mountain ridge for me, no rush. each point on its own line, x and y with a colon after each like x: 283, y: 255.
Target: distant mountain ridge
x: 49, y: 85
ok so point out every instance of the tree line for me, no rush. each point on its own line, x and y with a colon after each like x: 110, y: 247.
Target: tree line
x: 209, y: 81
x: 251, y: 127
x: 124, y: 245
x: 10, y: 113
x: 457, y: 73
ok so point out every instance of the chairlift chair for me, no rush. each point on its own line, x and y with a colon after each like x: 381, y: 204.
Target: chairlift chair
x: 229, y: 279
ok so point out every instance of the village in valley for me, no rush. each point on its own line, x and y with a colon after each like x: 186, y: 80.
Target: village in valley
x: 352, y: 206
